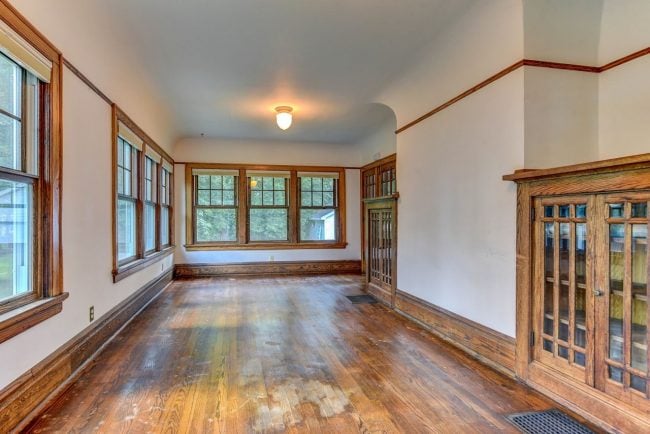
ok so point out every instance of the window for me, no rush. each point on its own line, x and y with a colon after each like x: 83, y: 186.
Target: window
x: 165, y: 204
x: 144, y: 202
x: 30, y: 176
x: 127, y: 188
x: 268, y: 218
x: 379, y: 179
x: 318, y: 206
x: 215, y: 202
x: 264, y: 207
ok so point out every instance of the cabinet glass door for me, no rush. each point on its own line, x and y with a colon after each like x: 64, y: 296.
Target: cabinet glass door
x: 563, y: 283
x: 625, y: 310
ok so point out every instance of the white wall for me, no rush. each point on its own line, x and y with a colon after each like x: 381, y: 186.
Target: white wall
x: 267, y: 152
x: 624, y: 92
x: 87, y: 222
x: 456, y: 243
x: 380, y: 143
x: 87, y: 147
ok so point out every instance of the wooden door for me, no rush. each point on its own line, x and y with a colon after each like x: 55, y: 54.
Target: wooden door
x: 621, y: 306
x: 563, y: 301
x: 381, y: 249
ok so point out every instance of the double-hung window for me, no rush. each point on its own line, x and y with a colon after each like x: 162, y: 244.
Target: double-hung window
x: 235, y: 207
x: 30, y: 177
x: 129, y: 149
x: 268, y: 211
x: 215, y: 204
x: 319, y: 213
x: 165, y: 203
x: 143, y: 199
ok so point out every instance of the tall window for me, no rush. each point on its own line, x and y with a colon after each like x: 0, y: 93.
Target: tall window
x: 144, y: 202
x: 318, y: 206
x: 127, y: 196
x: 264, y: 207
x: 165, y: 204
x: 150, y: 200
x: 30, y: 174
x: 268, y: 218
x: 215, y: 202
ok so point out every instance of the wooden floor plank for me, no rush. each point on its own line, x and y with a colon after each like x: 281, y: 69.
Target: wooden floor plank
x: 282, y: 354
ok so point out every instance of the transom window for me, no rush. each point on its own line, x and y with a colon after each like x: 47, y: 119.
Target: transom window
x: 240, y: 207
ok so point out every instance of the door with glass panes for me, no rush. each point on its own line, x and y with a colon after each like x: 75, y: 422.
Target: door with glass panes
x: 590, y: 299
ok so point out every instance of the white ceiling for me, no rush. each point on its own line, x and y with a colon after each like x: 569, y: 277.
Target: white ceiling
x: 223, y: 65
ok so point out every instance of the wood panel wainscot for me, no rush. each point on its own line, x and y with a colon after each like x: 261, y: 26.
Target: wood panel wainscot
x: 33, y: 391
x: 489, y: 346
x: 268, y: 268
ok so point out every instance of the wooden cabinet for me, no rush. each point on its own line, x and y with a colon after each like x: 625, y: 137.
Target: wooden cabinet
x: 582, y: 287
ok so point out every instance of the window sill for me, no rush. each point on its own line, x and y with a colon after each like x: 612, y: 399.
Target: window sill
x: 126, y: 270
x: 18, y: 320
x: 265, y: 246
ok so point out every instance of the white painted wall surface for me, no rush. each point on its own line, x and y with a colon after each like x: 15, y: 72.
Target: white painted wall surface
x: 456, y: 243
x: 87, y: 222
x: 380, y: 143
x: 267, y: 152
x: 561, y: 117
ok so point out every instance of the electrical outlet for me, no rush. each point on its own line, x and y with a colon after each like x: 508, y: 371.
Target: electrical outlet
x: 91, y: 313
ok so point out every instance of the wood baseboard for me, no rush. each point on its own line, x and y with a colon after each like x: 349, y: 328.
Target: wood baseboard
x: 33, y: 391
x: 268, y: 268
x: 491, y: 347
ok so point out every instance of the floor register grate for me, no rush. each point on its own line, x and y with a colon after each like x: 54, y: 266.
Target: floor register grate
x: 358, y: 299
x: 547, y: 422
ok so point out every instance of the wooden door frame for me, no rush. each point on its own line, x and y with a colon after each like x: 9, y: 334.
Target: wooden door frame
x: 620, y: 174
x: 387, y: 202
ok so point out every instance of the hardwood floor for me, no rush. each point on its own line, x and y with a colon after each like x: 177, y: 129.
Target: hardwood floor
x: 288, y: 354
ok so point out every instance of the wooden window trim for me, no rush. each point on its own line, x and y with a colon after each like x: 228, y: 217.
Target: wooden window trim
x: 20, y: 313
x: 165, y: 202
x: 243, y: 243
x: 142, y: 258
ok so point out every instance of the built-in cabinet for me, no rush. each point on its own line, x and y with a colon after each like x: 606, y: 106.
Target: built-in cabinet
x: 582, y: 287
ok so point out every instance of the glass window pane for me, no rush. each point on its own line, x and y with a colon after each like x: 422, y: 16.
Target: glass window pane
x: 565, y: 246
x: 639, y: 356
x: 228, y: 197
x: 328, y: 184
x: 581, y: 211
x: 256, y: 198
x: 268, y: 224
x: 120, y: 180
x: 216, y: 225
x: 10, y: 143
x: 328, y: 199
x: 256, y: 183
x: 216, y: 198
x: 229, y: 182
x: 548, y: 211
x: 317, y: 184
x: 317, y: 198
x: 11, y: 79
x: 204, y: 181
x: 616, y: 272
x: 267, y: 198
x: 16, y: 217
x: 564, y: 211
x: 581, y: 285
x: 267, y: 183
x: 549, y: 277
x: 149, y: 227
x: 616, y: 210
x: 164, y: 226
x: 278, y: 183
x: 216, y: 182
x: 278, y: 198
x: 305, y: 199
x: 203, y: 197
x: 640, y: 210
x: 125, y: 229
x: 305, y: 184
x: 318, y: 224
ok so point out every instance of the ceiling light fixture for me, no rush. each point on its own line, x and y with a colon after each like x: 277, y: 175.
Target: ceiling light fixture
x: 284, y: 117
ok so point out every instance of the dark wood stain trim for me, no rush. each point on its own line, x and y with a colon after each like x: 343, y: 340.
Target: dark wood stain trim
x: 601, y: 166
x: 268, y: 268
x: 87, y: 81
x: 30, y: 315
x: 385, y: 160
x: 468, y: 92
x: 491, y: 347
x: 527, y: 62
x: 139, y: 264
x: 30, y: 394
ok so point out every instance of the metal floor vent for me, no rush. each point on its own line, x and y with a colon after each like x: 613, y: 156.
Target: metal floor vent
x: 547, y: 422
x: 358, y: 299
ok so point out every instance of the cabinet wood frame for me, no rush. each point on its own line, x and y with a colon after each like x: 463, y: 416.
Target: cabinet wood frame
x: 627, y: 174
